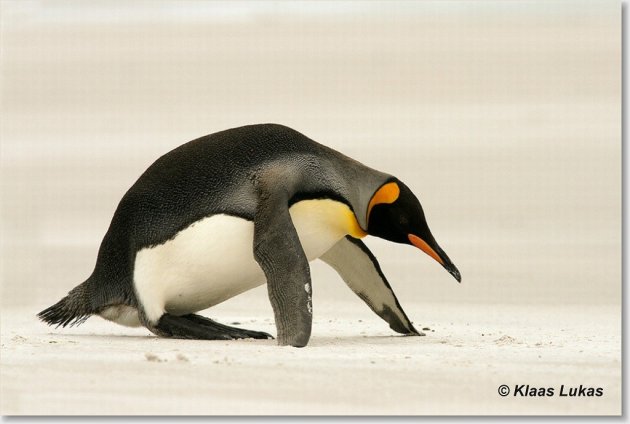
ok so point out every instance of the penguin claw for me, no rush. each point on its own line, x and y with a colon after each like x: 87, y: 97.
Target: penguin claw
x: 258, y: 335
x: 266, y: 336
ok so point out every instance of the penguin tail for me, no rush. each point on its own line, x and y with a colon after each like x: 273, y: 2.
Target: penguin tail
x: 72, y: 310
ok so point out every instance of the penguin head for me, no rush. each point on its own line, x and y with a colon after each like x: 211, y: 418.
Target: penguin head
x: 395, y: 214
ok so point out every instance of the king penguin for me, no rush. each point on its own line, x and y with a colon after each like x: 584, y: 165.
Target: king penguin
x: 230, y: 211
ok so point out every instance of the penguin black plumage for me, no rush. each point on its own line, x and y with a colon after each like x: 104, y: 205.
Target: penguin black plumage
x: 226, y: 212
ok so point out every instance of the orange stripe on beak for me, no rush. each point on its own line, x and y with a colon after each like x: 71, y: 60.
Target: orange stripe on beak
x: 422, y: 245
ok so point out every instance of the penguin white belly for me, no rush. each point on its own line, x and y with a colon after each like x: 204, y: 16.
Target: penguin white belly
x: 212, y: 259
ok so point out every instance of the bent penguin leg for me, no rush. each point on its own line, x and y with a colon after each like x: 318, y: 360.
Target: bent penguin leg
x: 234, y: 332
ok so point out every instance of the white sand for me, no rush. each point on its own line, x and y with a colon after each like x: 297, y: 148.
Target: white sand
x: 353, y: 364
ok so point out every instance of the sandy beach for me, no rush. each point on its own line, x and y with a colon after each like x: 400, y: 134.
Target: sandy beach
x: 503, y: 118
x: 353, y: 365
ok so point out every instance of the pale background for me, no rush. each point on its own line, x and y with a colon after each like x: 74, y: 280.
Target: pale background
x: 503, y: 117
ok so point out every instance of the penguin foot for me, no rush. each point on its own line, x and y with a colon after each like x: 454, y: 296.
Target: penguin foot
x: 181, y: 328
x: 200, y: 328
x: 233, y: 332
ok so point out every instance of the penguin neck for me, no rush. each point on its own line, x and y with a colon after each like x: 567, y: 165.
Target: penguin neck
x: 361, y: 184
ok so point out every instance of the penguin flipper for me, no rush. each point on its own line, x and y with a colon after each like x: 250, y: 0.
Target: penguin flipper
x: 278, y: 251
x: 360, y: 270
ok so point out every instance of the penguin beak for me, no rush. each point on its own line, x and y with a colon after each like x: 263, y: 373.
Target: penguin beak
x: 436, y: 253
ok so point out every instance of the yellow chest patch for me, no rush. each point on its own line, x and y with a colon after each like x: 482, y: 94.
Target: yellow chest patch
x: 327, y: 216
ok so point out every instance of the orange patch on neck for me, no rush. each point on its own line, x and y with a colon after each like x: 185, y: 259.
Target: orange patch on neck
x: 388, y: 193
x: 354, y: 229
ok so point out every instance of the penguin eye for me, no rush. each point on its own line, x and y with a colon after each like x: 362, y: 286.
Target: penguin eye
x: 403, y: 220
